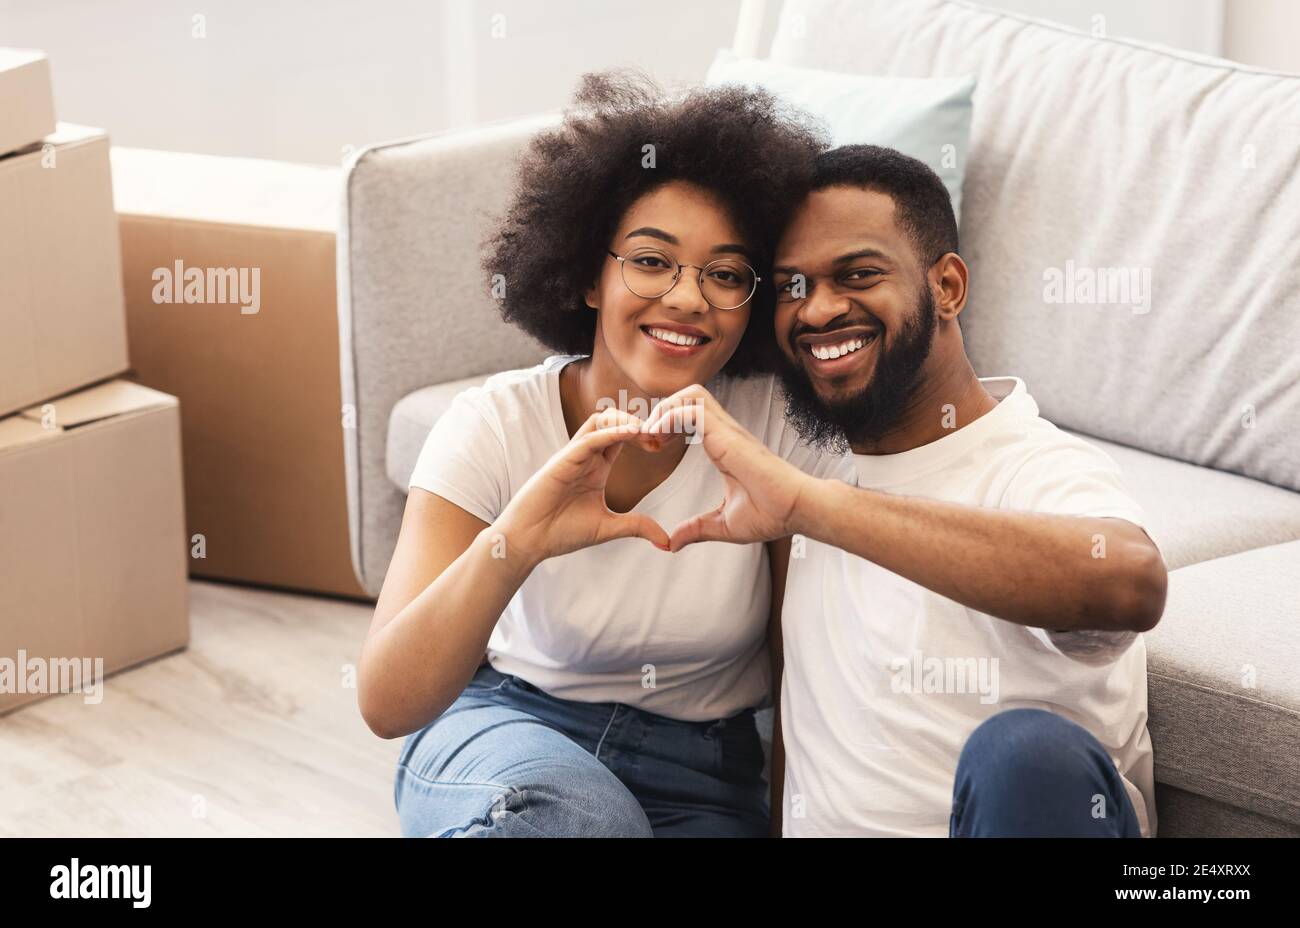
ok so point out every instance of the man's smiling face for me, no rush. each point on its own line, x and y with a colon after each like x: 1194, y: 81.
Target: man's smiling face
x: 855, y: 315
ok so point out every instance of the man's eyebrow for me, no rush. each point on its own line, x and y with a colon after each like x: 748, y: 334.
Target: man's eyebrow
x: 861, y: 253
x: 652, y: 232
x: 838, y: 261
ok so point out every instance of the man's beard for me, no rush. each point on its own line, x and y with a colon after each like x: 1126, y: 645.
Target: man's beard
x: 869, y: 414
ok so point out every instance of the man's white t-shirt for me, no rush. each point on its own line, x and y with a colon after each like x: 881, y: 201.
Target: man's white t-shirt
x: 885, y: 680
x: 681, y: 635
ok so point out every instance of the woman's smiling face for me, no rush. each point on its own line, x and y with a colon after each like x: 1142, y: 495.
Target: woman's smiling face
x: 662, y: 344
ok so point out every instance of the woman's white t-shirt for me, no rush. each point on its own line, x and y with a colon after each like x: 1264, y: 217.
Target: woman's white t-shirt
x: 681, y: 635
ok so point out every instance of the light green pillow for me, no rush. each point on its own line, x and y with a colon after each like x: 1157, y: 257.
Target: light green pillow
x: 927, y: 118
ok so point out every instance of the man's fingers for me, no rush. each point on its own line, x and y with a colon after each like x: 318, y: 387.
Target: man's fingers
x: 709, y: 526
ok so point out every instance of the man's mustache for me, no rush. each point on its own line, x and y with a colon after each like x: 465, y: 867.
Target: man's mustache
x: 842, y: 322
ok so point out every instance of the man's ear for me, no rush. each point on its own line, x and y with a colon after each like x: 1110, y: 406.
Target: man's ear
x: 949, y: 277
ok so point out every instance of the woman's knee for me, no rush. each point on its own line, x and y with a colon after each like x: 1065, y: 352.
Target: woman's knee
x: 549, y: 800
x: 510, y: 779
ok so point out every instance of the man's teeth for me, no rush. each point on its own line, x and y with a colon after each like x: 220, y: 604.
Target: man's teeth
x: 677, y: 338
x: 828, y: 352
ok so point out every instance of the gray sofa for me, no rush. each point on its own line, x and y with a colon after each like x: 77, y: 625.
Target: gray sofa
x: 1085, y: 153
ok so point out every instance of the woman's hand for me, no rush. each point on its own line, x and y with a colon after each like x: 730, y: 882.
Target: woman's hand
x: 562, y: 507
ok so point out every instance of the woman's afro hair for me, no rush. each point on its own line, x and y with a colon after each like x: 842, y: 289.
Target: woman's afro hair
x: 575, y: 182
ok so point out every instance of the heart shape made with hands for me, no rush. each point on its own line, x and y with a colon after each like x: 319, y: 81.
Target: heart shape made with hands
x: 628, y: 521
x: 689, y: 530
x: 759, y: 487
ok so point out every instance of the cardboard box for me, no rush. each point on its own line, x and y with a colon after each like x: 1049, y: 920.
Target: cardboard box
x: 230, y: 291
x: 92, y: 534
x: 62, y: 320
x: 26, y: 98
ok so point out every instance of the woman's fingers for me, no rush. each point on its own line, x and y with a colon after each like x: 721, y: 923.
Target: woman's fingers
x: 597, y: 441
x: 612, y: 418
x: 605, y: 418
x: 635, y: 525
x: 688, y: 410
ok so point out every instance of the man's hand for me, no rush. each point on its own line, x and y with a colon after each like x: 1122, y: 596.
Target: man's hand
x: 761, y: 489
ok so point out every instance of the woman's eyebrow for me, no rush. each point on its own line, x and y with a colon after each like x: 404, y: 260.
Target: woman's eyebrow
x: 728, y: 248
x: 652, y: 232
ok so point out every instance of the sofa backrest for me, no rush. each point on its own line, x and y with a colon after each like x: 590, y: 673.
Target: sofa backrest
x: 1131, y: 218
x: 414, y: 306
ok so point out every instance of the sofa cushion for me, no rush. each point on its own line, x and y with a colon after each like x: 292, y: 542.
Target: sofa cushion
x: 1194, y: 513
x: 1223, y: 679
x: 410, y: 421
x: 1197, y: 514
x: 1190, y: 815
x: 1097, y: 155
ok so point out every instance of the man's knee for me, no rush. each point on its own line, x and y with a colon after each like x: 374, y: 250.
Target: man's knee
x: 1029, y: 771
x: 1025, y: 743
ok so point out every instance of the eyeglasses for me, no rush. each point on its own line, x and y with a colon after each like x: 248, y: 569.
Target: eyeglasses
x: 725, y: 284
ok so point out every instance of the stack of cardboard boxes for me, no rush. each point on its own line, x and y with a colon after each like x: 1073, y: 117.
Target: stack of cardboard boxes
x: 93, y: 550
x: 231, y: 306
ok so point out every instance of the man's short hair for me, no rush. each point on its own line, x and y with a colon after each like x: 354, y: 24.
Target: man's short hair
x: 921, y: 202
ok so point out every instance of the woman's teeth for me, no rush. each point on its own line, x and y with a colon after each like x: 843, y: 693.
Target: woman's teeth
x: 676, y: 338
x: 828, y: 352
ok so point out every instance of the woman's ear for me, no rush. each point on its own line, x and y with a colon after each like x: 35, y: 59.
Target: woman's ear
x: 591, y: 297
x: 949, y: 276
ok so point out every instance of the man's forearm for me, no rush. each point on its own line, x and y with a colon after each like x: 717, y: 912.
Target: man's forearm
x: 1029, y: 568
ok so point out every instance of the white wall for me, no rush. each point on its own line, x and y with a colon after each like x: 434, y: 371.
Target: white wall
x: 301, y: 79
x: 1264, y: 33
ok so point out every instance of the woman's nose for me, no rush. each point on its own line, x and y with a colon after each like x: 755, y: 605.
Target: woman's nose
x: 685, y: 296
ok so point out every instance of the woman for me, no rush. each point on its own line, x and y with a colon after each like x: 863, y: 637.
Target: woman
x: 618, y: 691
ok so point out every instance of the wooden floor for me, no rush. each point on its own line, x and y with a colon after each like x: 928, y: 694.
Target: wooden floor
x: 251, y: 731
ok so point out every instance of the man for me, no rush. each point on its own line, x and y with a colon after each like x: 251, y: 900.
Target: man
x: 963, y: 608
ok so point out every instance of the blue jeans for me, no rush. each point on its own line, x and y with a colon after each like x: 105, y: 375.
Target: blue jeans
x: 508, y: 760
x: 1031, y: 773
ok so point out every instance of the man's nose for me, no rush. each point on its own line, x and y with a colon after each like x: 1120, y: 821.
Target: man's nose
x: 821, y: 306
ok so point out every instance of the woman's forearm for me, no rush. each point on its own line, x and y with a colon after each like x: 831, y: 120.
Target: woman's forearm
x: 414, y: 667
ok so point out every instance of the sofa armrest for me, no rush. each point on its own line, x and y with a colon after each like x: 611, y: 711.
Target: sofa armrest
x: 414, y: 307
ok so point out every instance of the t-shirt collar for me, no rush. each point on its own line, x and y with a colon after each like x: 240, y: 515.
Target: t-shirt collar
x: 1014, y: 402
